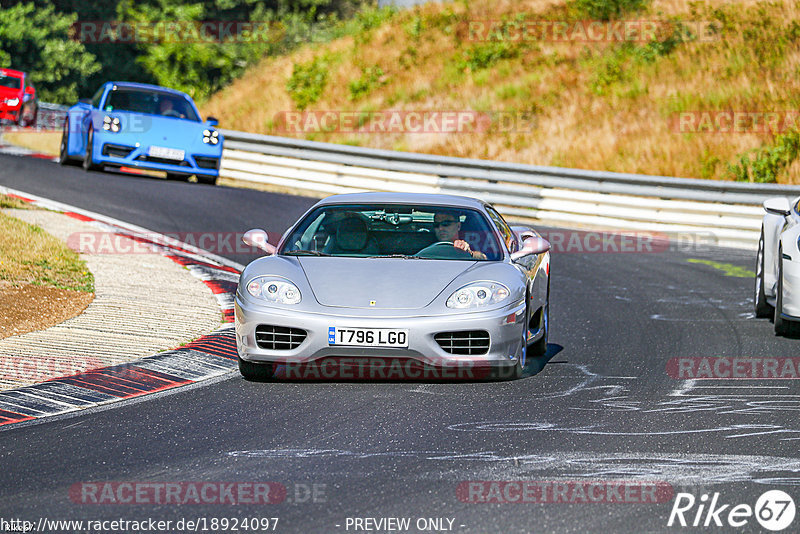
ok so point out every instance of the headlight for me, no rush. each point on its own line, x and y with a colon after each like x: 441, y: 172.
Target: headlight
x: 111, y: 124
x: 477, y: 295
x: 274, y: 289
x: 12, y: 101
x: 211, y: 136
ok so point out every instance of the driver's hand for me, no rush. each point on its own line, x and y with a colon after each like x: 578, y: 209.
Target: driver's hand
x: 463, y: 245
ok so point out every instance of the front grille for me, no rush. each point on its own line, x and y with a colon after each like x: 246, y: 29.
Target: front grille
x: 206, y: 163
x: 163, y: 161
x: 470, y: 342
x: 116, y: 151
x: 272, y: 337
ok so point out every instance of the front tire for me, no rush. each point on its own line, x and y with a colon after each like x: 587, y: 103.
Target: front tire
x: 539, y: 347
x: 782, y: 326
x: 760, y: 304
x: 88, y: 161
x: 63, y: 154
x: 255, y: 371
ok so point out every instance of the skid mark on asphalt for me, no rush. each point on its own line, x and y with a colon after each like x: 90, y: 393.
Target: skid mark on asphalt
x: 592, y: 392
x: 688, y: 469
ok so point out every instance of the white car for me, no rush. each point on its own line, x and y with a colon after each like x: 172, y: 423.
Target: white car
x: 777, y: 291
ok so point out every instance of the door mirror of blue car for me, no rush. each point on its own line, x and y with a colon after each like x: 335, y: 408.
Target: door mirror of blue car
x: 212, y: 121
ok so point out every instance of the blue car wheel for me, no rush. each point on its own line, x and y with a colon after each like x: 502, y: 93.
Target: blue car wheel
x: 88, y: 160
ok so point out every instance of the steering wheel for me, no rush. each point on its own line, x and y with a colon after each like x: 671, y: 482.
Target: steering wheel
x: 439, y: 248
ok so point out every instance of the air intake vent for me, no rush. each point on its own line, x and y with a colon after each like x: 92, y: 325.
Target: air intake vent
x: 271, y: 337
x: 471, y: 342
x: 207, y: 163
x: 116, y: 151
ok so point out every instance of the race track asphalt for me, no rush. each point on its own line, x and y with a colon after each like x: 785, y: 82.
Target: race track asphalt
x: 599, y: 407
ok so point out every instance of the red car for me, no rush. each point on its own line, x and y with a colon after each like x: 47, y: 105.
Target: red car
x: 17, y: 98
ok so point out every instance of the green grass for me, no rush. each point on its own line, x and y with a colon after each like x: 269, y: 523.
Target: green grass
x: 29, y: 255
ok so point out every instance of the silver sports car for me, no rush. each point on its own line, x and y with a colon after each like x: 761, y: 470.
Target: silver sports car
x: 777, y: 291
x: 434, y: 279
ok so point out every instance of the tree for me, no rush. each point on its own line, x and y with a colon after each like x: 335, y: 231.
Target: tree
x: 38, y: 41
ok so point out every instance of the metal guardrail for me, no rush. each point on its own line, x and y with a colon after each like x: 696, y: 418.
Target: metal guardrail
x: 730, y: 212
x: 50, y: 116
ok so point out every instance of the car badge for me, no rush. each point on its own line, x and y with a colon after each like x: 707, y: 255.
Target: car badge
x: 372, y: 303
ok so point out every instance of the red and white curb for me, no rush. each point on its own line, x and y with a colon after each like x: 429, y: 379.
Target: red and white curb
x: 13, y: 150
x: 207, y: 357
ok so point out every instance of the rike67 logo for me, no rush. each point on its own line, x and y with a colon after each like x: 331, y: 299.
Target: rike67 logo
x: 774, y: 510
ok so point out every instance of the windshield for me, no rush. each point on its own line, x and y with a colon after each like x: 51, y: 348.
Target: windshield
x: 150, y: 102
x: 11, y: 82
x: 392, y: 230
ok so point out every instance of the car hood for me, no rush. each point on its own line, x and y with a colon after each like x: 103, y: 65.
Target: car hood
x: 7, y: 92
x: 162, y: 131
x: 391, y: 283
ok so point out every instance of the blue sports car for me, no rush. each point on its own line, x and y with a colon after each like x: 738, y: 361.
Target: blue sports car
x: 140, y: 126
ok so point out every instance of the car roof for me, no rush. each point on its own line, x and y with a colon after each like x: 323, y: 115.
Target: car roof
x: 404, y: 198
x: 13, y: 72
x: 137, y: 85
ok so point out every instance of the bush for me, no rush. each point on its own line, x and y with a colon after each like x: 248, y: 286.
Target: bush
x: 482, y: 56
x: 307, y: 82
x: 763, y: 165
x: 370, y: 79
x: 606, y: 9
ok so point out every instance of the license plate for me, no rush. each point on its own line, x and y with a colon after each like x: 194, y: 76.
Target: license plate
x: 166, y: 153
x: 367, y: 337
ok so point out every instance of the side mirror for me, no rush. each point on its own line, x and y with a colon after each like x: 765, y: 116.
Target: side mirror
x: 778, y: 206
x: 212, y: 121
x: 532, y: 245
x: 258, y: 238
x: 87, y: 101
x: 30, y: 90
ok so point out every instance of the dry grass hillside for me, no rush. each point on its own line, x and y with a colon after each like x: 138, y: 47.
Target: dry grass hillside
x: 612, y: 104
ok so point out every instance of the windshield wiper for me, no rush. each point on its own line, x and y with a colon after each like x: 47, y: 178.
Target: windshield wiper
x: 403, y: 256
x: 306, y: 253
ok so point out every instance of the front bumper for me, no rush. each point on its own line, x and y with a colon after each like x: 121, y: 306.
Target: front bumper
x: 8, y: 113
x: 505, y: 327
x: 791, y: 290
x: 108, y: 150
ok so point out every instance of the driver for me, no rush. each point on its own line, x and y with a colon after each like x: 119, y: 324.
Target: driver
x: 165, y: 108
x: 446, y: 226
